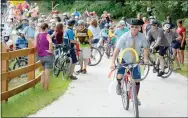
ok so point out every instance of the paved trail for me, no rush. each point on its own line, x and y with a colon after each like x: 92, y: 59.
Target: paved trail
x: 89, y: 96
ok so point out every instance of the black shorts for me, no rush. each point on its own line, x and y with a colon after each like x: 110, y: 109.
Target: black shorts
x: 161, y: 49
x: 183, y: 48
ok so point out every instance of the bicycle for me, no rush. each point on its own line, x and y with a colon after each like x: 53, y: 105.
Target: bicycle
x: 92, y: 58
x: 168, y: 65
x: 62, y: 61
x: 128, y: 83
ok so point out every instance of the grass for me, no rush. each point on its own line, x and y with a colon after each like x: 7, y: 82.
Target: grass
x: 33, y: 99
x: 184, y: 69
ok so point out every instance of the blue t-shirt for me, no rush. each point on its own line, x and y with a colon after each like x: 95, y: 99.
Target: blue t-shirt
x: 68, y: 35
x: 21, y: 43
x: 120, y: 32
x: 77, y: 13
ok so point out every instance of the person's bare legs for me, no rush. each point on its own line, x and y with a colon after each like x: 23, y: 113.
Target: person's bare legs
x: 181, y: 56
x: 175, y: 56
x: 47, y: 78
x: 42, y: 79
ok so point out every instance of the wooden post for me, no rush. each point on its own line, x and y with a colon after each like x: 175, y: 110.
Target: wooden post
x: 4, y: 63
x: 31, y: 60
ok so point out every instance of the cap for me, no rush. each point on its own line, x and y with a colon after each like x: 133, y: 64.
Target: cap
x: 134, y: 21
x: 70, y: 22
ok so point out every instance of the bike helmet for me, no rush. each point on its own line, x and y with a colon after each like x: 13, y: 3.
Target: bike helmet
x: 152, y: 22
x: 65, y: 14
x: 121, y: 22
x: 106, y: 25
x: 166, y: 26
x: 80, y: 22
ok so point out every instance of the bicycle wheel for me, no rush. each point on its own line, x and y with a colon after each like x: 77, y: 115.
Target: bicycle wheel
x: 20, y: 63
x: 124, y: 94
x: 56, y: 72
x: 95, y: 57
x: 66, y: 67
x: 102, y: 50
x: 135, y: 101
x: 168, y: 67
x: 144, y: 69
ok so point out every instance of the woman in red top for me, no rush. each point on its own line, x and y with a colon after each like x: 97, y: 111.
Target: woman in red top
x: 59, y: 33
x: 182, y: 32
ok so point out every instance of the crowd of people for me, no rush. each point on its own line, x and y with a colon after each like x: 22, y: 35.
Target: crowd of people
x: 80, y: 31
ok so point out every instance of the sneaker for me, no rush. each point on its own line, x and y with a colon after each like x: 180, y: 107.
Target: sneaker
x: 73, y: 77
x: 138, y: 101
x: 118, y: 89
x: 79, y: 71
x: 177, y: 68
x: 84, y: 71
x: 155, y: 70
x: 160, y: 73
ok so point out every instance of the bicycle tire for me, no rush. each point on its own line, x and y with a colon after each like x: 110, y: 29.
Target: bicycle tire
x: 146, y: 72
x: 66, y: 67
x: 91, y: 64
x: 135, y: 101
x: 125, y: 95
x: 18, y: 62
x: 170, y: 66
x: 56, y: 72
x: 102, y: 50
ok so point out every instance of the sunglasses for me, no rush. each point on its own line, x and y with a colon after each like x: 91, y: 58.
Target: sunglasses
x: 135, y: 26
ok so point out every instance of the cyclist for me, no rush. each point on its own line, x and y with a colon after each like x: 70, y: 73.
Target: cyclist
x: 173, y: 37
x: 121, y: 30
x: 84, y: 37
x: 104, y: 35
x: 159, y: 43
x: 131, y: 39
x: 69, y: 39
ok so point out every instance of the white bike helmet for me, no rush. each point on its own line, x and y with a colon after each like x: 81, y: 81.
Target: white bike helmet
x: 80, y: 22
x: 166, y: 26
x: 65, y: 14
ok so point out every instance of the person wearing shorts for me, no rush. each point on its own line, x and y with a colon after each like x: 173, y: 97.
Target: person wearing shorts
x: 160, y: 44
x: 43, y: 44
x: 84, y: 37
x: 182, y: 32
x: 131, y: 39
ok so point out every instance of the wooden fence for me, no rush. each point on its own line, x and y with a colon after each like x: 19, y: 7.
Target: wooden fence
x: 29, y: 69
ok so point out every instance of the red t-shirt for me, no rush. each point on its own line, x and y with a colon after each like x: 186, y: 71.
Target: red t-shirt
x: 59, y: 37
x: 180, y: 31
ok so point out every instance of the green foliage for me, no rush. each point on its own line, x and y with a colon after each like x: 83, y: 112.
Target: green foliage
x: 185, y: 24
x: 126, y: 8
